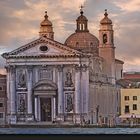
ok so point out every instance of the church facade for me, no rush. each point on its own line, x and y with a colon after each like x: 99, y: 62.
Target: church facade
x: 74, y: 82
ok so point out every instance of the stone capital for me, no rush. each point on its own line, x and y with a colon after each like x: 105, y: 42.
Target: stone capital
x: 77, y: 68
x: 60, y: 68
x: 84, y: 67
x: 7, y: 68
x: 30, y: 68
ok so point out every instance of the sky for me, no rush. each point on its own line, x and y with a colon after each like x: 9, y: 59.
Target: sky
x: 20, y: 22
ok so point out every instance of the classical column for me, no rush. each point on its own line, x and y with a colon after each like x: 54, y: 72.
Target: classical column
x: 54, y: 74
x: 36, y: 108
x: 12, y: 95
x: 29, y: 95
x: 60, y: 92
x: 77, y: 93
x: 36, y: 74
x: 85, y: 89
x: 54, y: 108
x: 8, y: 89
x: 39, y: 109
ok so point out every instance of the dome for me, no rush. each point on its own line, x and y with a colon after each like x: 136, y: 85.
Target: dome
x: 82, y: 18
x: 106, y: 20
x: 83, y: 41
x: 46, y: 22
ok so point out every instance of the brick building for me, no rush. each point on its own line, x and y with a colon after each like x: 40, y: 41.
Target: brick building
x: 2, y: 99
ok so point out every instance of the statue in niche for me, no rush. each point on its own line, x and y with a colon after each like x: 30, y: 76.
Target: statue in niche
x: 22, y: 104
x: 22, y: 80
x: 68, y: 81
x: 104, y: 38
x: 100, y: 66
x: 69, y: 103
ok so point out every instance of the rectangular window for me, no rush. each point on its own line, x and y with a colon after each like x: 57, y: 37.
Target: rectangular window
x: 134, y: 97
x: 1, y: 104
x: 134, y: 107
x: 121, y: 73
x: 126, y: 98
x: 0, y: 87
x: 1, y: 115
x: 127, y: 109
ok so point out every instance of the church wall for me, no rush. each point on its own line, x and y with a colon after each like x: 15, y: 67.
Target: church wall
x: 118, y: 71
x: 104, y: 98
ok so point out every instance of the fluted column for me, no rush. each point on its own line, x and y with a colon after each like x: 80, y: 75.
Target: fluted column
x: 60, y: 91
x: 29, y: 95
x: 12, y: 95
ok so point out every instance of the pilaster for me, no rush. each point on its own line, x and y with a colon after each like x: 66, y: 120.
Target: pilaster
x: 77, y: 97
x: 29, y: 95
x: 12, y: 96
x: 60, y: 93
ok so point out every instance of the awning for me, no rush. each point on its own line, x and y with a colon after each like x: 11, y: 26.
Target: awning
x: 130, y: 116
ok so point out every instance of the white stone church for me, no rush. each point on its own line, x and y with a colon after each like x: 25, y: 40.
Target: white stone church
x: 75, y: 82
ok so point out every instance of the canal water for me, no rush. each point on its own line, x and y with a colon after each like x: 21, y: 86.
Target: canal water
x: 69, y: 130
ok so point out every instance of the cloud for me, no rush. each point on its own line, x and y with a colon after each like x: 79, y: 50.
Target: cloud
x: 20, y: 22
x: 128, y: 5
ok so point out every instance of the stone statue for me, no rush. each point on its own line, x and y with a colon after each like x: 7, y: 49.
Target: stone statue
x: 100, y: 66
x: 68, y: 81
x: 22, y: 80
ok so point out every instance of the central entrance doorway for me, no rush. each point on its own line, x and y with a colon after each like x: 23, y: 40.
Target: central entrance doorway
x: 46, y: 110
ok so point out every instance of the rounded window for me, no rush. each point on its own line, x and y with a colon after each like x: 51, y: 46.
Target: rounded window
x: 43, y: 48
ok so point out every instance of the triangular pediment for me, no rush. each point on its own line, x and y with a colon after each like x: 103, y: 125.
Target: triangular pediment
x: 35, y: 48
x: 45, y: 85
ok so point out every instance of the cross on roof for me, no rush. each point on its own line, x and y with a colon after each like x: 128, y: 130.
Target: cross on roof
x: 81, y: 9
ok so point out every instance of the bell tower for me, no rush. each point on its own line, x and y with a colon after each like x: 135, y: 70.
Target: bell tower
x: 106, y: 46
x: 82, y: 22
x: 46, y: 29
